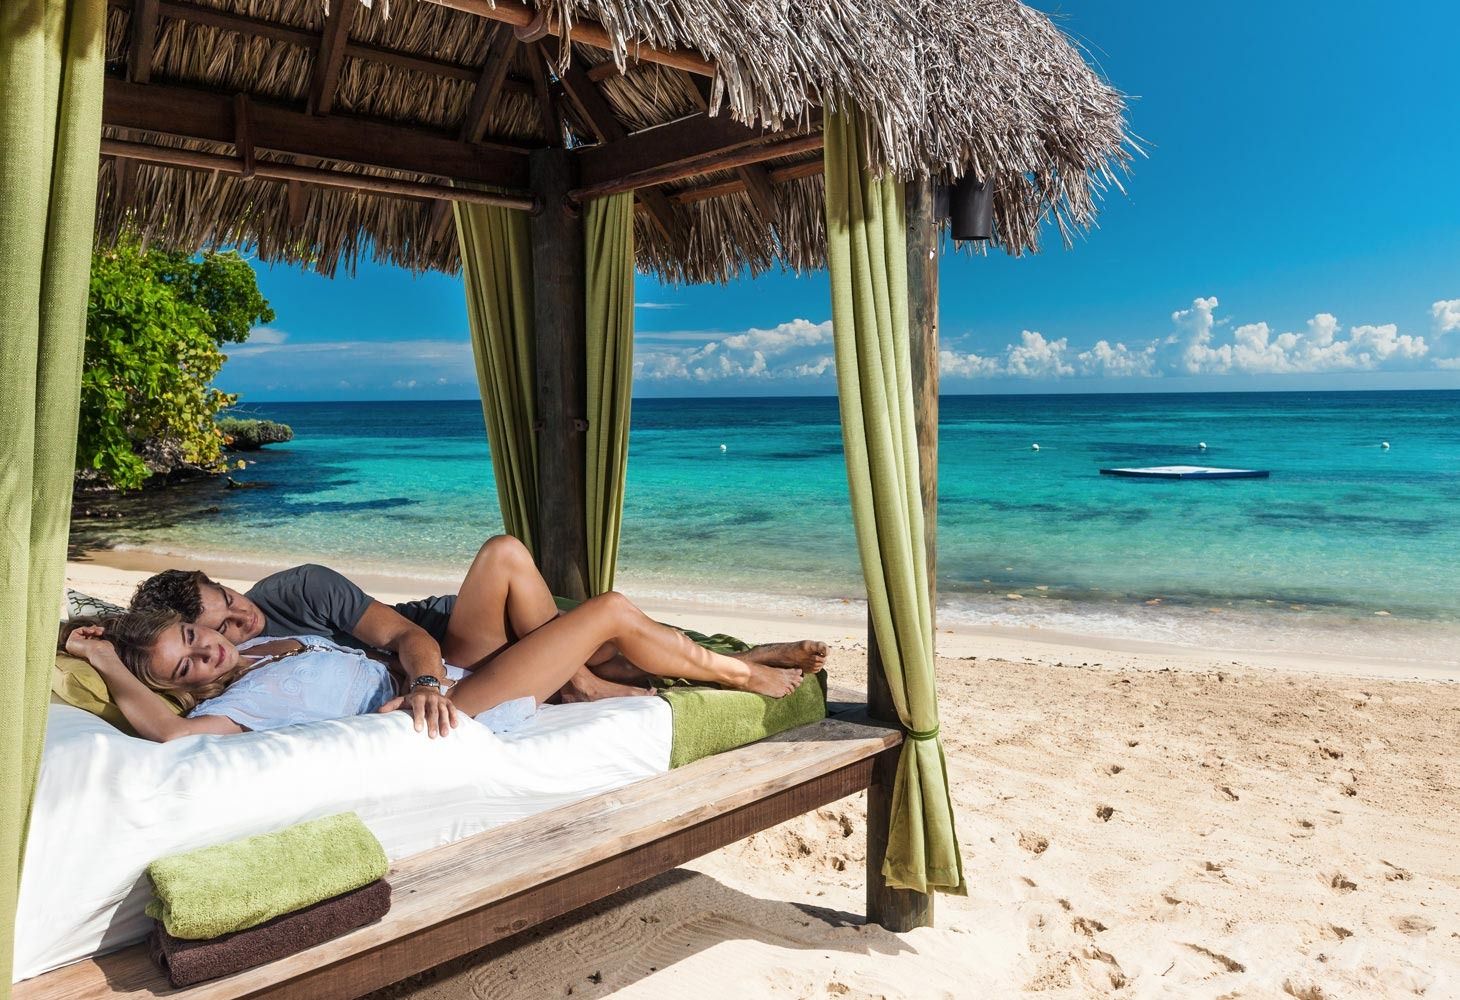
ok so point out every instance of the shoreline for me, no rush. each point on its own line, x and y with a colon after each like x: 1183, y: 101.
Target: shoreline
x: 111, y: 573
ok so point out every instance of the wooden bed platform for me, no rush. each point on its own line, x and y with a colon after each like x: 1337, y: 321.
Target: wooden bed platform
x: 455, y: 899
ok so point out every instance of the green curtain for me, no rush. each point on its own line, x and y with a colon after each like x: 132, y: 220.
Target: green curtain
x: 496, y: 259
x: 50, y: 132
x: 608, y: 231
x: 866, y: 251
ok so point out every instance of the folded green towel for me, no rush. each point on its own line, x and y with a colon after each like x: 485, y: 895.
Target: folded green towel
x: 234, y: 886
x: 710, y: 720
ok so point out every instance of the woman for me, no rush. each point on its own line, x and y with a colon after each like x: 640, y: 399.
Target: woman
x: 267, y: 683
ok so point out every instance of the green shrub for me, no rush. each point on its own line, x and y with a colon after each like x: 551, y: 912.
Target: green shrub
x: 155, y: 325
x: 251, y: 435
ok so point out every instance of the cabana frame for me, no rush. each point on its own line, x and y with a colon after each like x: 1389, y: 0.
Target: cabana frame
x: 263, y: 123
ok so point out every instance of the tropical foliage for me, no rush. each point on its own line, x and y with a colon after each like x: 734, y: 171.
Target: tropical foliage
x: 155, y: 326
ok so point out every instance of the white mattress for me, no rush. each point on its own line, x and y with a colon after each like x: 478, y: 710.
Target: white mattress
x: 108, y: 804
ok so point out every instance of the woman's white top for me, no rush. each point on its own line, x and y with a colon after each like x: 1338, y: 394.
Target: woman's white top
x: 324, y: 681
x: 327, y: 681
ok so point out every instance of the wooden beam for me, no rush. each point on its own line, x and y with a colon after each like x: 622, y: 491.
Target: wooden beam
x: 560, y: 337
x: 902, y: 910
x: 692, y: 167
x: 589, y: 100
x: 672, y: 144
x: 588, y: 32
x: 474, y: 123
x: 547, y: 106
x: 330, y: 57
x: 171, y: 156
x: 200, y: 114
x: 779, y: 175
x: 144, y: 41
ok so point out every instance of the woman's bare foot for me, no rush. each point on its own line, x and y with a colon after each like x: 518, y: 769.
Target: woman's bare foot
x: 806, y: 655
x: 588, y: 686
x: 774, y: 682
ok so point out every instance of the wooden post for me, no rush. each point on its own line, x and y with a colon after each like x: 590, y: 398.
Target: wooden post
x: 561, y: 347
x: 901, y: 909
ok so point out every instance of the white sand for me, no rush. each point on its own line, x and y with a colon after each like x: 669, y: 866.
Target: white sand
x: 1136, y: 821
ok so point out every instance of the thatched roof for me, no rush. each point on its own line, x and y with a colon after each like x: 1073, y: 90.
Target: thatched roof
x: 987, y: 86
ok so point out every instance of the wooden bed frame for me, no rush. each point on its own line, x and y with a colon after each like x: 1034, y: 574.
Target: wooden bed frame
x: 453, y: 900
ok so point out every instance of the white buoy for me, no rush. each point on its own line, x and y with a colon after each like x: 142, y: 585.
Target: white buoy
x: 1034, y: 447
x: 1385, y: 445
x: 1202, y: 446
x: 723, y: 448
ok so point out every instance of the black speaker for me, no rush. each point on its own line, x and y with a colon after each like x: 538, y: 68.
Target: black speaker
x: 971, y: 209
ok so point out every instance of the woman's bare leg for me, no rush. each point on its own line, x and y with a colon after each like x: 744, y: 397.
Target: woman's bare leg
x: 540, y: 663
x: 503, y: 598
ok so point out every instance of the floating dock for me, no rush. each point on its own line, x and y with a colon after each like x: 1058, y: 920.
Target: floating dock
x: 1186, y: 472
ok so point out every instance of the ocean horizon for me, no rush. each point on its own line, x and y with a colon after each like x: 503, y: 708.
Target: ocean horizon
x: 1349, y: 546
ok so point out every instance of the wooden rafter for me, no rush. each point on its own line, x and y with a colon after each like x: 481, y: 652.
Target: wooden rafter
x: 171, y: 156
x: 693, y: 166
x: 590, y: 102
x: 779, y: 175
x: 479, y: 113
x: 258, y: 27
x: 144, y: 41
x: 588, y: 32
x: 547, y: 105
x: 199, y: 114
x: 672, y: 144
x: 330, y: 57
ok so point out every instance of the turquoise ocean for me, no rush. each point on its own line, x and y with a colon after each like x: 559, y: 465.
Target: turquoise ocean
x: 1348, y: 546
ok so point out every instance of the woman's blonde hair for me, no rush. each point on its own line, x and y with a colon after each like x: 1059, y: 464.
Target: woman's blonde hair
x: 133, y: 635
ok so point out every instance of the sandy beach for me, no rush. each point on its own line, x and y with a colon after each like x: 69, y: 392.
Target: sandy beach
x: 1136, y: 821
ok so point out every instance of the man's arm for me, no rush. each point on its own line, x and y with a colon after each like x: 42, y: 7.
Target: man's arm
x: 419, y: 656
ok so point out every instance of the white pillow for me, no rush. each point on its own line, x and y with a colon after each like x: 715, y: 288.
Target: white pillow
x: 79, y: 605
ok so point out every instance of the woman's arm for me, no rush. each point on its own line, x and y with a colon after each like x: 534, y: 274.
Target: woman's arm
x: 142, y: 706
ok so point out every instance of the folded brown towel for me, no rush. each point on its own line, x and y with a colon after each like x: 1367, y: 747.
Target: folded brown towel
x: 189, y: 962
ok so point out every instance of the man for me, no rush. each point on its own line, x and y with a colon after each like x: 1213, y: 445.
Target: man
x: 502, y: 598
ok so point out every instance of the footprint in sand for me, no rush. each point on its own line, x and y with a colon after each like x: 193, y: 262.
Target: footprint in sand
x: 1226, y: 793
x: 1395, y: 873
x: 1305, y: 828
x: 1103, y: 813
x: 1113, y: 769
x: 1309, y: 991
x: 1227, y: 964
x: 1033, y: 842
x: 1340, y: 932
x: 1413, y: 925
x: 1340, y: 882
x: 1087, y: 926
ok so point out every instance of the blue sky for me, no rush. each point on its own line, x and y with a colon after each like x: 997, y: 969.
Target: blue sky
x: 1295, y: 226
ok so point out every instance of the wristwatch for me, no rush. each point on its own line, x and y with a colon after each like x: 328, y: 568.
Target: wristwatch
x: 426, y: 681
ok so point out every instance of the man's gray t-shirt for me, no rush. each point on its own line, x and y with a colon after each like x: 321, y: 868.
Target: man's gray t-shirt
x: 316, y: 600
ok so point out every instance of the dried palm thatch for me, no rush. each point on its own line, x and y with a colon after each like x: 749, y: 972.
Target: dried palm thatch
x: 945, y: 87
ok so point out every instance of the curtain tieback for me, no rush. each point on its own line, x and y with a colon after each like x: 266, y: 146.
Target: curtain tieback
x: 922, y: 734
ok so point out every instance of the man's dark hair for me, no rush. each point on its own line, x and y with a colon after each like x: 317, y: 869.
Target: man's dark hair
x: 175, y: 590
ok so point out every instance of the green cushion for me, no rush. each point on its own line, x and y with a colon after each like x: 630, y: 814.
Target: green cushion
x: 711, y: 720
x: 77, y: 683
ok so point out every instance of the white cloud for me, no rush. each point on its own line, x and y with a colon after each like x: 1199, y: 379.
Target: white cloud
x: 1117, y: 360
x: 266, y: 335
x: 1035, y: 357
x: 1447, y: 315
x: 971, y: 365
x: 1254, y: 349
x: 656, y: 305
x: 787, y: 351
